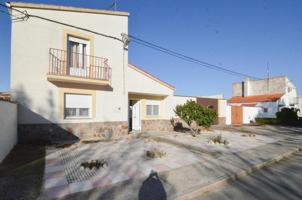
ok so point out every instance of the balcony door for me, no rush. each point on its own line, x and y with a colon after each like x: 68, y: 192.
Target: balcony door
x: 78, y: 57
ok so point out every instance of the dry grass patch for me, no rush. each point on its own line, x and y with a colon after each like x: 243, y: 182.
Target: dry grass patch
x: 155, y: 153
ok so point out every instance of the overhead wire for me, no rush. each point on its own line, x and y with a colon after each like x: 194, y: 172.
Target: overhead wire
x: 141, y: 42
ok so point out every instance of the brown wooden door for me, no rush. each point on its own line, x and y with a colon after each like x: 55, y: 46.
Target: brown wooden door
x: 237, y: 113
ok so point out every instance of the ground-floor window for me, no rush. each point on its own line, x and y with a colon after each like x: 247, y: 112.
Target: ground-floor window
x: 152, y: 107
x: 77, y: 106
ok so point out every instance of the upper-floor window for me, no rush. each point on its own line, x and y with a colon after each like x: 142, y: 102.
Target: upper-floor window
x: 265, y: 110
x: 289, y: 89
x: 152, y: 108
x: 78, y: 51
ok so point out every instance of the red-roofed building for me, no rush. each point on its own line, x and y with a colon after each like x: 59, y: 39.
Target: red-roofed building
x: 266, y: 96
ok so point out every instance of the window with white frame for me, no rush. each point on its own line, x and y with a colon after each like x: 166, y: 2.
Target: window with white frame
x: 152, y: 107
x: 77, y: 106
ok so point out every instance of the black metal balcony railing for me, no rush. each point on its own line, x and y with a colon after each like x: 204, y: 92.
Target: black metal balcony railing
x: 73, y: 64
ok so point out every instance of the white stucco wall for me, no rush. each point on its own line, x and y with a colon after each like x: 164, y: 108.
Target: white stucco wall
x: 228, y: 115
x: 289, y: 99
x: 222, y: 108
x: 30, y: 43
x: 250, y: 113
x: 140, y: 83
x: 8, y: 128
x: 173, y: 101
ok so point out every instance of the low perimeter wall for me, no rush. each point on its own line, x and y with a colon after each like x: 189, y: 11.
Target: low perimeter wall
x: 8, y: 127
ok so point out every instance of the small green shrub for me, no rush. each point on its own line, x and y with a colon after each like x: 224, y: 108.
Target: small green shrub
x: 269, y: 121
x: 94, y: 164
x: 191, y: 111
x: 288, y: 116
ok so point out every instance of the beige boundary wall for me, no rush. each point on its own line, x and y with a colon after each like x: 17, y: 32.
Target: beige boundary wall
x: 8, y: 128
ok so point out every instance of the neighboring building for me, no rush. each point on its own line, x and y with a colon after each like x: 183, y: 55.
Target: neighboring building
x: 268, y: 96
x: 218, y: 104
x: 5, y: 96
x: 299, y: 99
x: 215, y: 102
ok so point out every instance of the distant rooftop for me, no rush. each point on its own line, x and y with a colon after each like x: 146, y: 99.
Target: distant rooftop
x: 256, y: 98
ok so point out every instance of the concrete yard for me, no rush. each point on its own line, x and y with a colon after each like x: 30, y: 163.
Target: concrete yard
x: 191, y: 163
x: 238, y: 141
x: 126, y: 159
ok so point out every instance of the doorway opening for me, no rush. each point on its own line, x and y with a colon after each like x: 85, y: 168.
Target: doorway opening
x: 134, y: 115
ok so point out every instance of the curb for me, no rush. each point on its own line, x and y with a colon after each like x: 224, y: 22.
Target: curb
x: 216, y: 185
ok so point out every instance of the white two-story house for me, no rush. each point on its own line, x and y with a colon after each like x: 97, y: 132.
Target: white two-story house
x: 71, y: 77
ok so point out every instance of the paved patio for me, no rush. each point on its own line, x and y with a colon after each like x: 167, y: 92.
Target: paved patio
x: 126, y: 159
x: 183, y: 168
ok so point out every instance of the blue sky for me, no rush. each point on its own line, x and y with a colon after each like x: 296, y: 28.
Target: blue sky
x: 238, y: 34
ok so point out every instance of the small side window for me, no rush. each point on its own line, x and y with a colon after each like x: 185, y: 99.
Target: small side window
x: 210, y: 107
x: 152, y: 108
x: 265, y: 110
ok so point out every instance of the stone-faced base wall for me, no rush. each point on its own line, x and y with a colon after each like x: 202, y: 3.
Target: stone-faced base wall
x: 156, y: 125
x: 70, y: 131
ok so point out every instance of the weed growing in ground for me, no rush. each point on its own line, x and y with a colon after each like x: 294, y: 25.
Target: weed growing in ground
x: 155, y: 153
x: 94, y: 164
x: 217, y: 139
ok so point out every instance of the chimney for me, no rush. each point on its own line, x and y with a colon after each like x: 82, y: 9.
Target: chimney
x: 242, y: 88
x: 247, y: 86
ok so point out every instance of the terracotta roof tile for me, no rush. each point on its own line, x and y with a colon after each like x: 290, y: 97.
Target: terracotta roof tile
x: 256, y: 98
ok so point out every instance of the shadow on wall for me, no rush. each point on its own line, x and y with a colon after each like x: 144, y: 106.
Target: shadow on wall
x: 47, y: 131
x: 152, y: 188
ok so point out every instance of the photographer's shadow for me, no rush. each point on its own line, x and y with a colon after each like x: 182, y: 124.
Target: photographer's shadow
x: 152, y: 188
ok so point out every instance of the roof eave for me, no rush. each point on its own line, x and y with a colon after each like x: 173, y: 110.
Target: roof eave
x: 66, y: 8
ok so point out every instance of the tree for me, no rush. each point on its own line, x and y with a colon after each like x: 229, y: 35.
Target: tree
x: 192, y: 112
x: 288, y: 116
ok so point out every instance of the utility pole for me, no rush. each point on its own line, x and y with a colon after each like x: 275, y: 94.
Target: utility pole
x: 114, y: 4
x: 268, y: 76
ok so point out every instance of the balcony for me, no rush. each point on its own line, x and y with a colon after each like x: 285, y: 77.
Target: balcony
x: 70, y: 67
